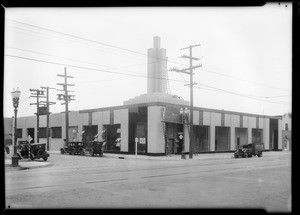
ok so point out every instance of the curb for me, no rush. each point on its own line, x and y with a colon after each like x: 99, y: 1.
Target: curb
x: 24, y: 167
x: 34, y: 167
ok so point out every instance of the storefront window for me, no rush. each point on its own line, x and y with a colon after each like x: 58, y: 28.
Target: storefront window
x: 222, y: 138
x: 19, y: 133
x: 89, y: 132
x: 56, y: 132
x: 113, y: 137
x: 201, y: 135
x: 43, y: 132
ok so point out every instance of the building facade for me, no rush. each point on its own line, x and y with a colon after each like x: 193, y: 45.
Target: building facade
x: 155, y: 121
x: 158, y: 127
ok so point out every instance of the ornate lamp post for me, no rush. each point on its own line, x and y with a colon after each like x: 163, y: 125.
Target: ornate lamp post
x: 15, y: 94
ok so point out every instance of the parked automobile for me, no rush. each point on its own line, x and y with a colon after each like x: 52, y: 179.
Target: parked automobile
x: 95, y: 147
x: 249, y: 150
x: 74, y: 148
x: 33, y: 151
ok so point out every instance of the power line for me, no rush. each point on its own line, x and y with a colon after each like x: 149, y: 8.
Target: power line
x: 135, y: 75
x: 135, y: 52
x: 243, y: 95
x: 77, y: 37
x: 81, y: 67
x: 240, y: 79
x: 89, y: 40
x: 76, y: 60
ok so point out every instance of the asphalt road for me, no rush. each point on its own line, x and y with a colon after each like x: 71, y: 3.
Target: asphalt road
x: 109, y: 182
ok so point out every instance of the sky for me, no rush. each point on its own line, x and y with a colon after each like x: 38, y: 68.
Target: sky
x: 245, y: 52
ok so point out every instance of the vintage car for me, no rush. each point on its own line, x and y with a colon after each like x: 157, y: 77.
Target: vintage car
x: 74, y: 148
x: 249, y: 150
x: 33, y: 151
x: 95, y: 147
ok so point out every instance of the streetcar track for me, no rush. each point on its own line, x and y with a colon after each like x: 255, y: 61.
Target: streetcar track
x: 150, y: 169
x: 147, y: 177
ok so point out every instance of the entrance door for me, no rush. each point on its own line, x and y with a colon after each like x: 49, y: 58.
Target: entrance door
x: 140, y: 132
x: 30, y: 131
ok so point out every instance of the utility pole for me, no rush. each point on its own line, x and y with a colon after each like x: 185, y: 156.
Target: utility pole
x: 191, y: 58
x: 37, y: 94
x: 48, y: 112
x: 66, y: 98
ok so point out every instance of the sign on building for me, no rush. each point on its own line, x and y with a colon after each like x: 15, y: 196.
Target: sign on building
x: 42, y: 110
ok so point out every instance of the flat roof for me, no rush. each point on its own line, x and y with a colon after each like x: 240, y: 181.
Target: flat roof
x: 175, y: 105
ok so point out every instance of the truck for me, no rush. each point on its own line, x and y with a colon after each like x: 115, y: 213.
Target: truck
x: 249, y: 150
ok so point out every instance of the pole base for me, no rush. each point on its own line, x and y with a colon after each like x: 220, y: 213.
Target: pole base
x: 15, y: 160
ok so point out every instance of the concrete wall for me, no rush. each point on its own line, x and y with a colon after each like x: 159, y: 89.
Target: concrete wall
x: 186, y: 140
x: 196, y: 118
x: 206, y: 118
x: 122, y: 117
x: 8, y: 126
x: 266, y: 133
x: 288, y: 120
x: 215, y: 120
x: 156, y: 143
x: 251, y: 124
x: 234, y: 122
x: 280, y: 128
x: 97, y: 119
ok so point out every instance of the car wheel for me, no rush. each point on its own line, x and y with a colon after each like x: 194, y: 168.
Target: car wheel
x: 62, y: 151
x: 40, y: 153
x: 82, y: 152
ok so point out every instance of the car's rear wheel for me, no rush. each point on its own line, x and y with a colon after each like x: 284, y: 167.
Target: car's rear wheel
x: 73, y: 151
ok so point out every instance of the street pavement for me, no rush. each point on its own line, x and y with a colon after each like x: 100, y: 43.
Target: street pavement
x: 215, y: 180
x: 28, y: 164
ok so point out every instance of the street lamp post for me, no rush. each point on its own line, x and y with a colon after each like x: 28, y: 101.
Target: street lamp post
x: 15, y: 96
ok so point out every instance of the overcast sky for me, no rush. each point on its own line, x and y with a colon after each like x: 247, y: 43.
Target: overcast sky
x: 246, y: 55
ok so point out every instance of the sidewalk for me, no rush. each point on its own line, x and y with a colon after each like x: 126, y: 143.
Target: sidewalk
x: 26, y: 164
x: 172, y: 157
x: 167, y: 158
